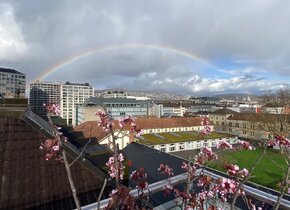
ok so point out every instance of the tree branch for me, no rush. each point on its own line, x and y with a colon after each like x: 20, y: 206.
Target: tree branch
x: 283, y: 188
x: 66, y: 163
x: 248, y: 176
x: 101, y: 193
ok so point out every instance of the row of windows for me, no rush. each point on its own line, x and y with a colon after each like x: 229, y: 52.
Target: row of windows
x: 181, y: 146
x: 173, y: 129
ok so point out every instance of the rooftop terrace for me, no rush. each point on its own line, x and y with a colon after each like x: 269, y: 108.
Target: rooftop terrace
x: 166, y: 138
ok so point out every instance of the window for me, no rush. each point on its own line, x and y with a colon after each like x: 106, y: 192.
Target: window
x: 189, y: 145
x: 162, y: 148
x: 244, y: 132
x: 181, y: 146
x: 172, y: 147
x: 230, y: 130
x: 237, y: 125
x: 230, y: 124
x: 244, y: 126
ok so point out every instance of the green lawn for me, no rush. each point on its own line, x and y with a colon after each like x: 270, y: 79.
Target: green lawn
x: 269, y: 172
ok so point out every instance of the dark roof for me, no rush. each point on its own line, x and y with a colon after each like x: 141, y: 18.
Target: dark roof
x: 30, y: 180
x: 12, y: 71
x: 224, y: 111
x: 80, y: 84
x: 150, y: 159
x: 259, y: 117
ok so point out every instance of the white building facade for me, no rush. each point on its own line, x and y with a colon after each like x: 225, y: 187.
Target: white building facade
x: 67, y: 95
x: 73, y: 94
x: 12, y: 83
x: 190, y: 145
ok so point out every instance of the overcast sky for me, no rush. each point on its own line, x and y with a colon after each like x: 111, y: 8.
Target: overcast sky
x: 193, y: 47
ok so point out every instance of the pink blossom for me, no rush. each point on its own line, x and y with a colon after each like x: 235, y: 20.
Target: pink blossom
x: 204, y: 180
x: 243, y: 173
x: 206, y: 127
x: 139, y: 177
x: 279, y: 140
x: 165, y: 169
x: 188, y: 167
x: 231, y: 169
x: 245, y: 145
x: 205, y: 154
x: 55, y: 148
x: 223, y: 144
x: 167, y: 189
x: 104, y: 122
x: 226, y: 187
x: 112, y: 169
x: 113, y: 192
x: 181, y: 194
x: 51, y: 149
x: 52, y: 108
x: 121, y: 157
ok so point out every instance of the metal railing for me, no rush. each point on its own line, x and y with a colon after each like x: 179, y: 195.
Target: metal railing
x: 158, y: 186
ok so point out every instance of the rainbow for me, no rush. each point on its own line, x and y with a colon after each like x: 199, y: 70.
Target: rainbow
x: 88, y: 53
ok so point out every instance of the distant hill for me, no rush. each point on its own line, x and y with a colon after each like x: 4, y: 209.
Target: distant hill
x: 233, y: 96
x: 150, y: 94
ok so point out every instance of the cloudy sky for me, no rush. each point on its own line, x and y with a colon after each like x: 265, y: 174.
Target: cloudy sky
x: 193, y: 47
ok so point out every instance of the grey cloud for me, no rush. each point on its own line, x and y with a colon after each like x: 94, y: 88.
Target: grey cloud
x: 254, y: 34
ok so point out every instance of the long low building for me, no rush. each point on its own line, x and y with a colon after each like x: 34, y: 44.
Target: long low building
x: 148, y: 125
x: 180, y: 141
x: 250, y: 125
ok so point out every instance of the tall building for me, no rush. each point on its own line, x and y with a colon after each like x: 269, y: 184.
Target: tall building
x: 12, y: 83
x: 73, y: 94
x: 67, y: 95
x: 42, y: 92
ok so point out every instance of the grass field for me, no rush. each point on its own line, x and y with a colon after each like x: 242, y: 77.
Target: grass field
x: 269, y: 172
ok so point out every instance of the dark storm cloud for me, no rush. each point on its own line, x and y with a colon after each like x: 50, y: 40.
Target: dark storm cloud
x: 36, y: 35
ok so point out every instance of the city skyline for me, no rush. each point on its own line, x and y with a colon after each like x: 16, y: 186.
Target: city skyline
x: 190, y: 47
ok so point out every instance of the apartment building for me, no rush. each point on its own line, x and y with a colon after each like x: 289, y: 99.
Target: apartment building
x: 73, y: 94
x: 12, y: 83
x: 67, y: 95
x: 249, y: 125
x: 43, y: 92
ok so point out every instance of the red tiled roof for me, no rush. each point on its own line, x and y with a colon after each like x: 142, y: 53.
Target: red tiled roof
x: 91, y: 128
